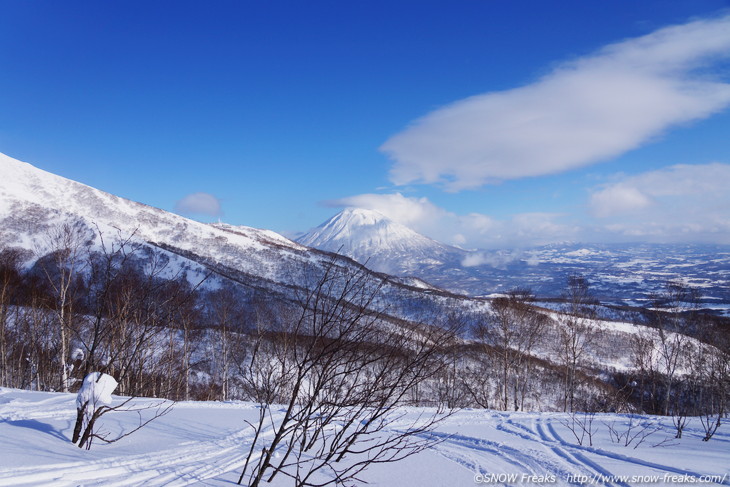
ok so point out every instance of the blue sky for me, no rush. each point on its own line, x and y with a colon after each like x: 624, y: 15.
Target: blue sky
x: 479, y: 123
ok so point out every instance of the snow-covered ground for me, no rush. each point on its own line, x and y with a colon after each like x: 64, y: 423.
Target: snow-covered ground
x: 203, y: 443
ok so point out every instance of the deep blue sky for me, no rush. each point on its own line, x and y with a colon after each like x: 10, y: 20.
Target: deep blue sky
x: 279, y: 109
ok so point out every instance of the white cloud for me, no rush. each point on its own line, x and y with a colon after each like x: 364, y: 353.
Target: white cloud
x: 584, y: 112
x: 677, y: 203
x: 411, y: 212
x: 680, y: 203
x: 618, y: 198
x: 199, y: 204
x: 496, y: 259
x: 473, y: 230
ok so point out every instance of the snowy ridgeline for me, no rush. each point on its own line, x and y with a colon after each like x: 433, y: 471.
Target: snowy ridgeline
x: 205, y: 444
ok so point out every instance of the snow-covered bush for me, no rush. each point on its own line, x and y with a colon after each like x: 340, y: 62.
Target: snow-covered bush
x: 95, y: 394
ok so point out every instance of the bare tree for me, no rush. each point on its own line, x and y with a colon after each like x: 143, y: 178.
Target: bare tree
x: 10, y: 279
x: 186, y: 317
x: 341, y: 372
x: 644, y: 356
x: 581, y: 425
x: 510, y: 335
x: 226, y: 317
x: 69, y: 246
x: 31, y: 348
x: 712, y: 367
x: 94, y: 401
x: 673, y: 323
x: 575, y: 335
x: 635, y: 430
x: 105, y: 308
x: 477, y: 376
x: 106, y: 305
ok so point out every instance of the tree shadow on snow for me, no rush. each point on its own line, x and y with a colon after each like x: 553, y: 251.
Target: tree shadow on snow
x: 34, y: 424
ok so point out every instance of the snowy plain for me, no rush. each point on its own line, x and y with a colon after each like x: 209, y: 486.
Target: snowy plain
x: 204, y: 443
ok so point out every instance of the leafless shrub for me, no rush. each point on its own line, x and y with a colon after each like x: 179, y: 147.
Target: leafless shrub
x: 634, y: 432
x: 341, y: 373
x: 581, y: 425
x: 91, y: 408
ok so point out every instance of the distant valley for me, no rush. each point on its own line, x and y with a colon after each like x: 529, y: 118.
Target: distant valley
x: 619, y: 274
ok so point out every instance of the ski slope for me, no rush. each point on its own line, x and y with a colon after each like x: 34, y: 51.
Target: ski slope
x: 204, y: 444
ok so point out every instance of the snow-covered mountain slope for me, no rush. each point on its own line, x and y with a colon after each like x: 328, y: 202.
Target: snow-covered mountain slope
x: 373, y: 239
x: 31, y: 197
x: 206, y: 444
x: 33, y: 201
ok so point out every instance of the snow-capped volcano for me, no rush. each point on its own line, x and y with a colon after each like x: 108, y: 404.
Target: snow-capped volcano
x: 257, y: 262
x: 384, y: 245
x: 619, y: 273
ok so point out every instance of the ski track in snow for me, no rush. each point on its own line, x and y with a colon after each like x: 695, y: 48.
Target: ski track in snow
x: 550, y: 435
x: 547, y: 453
x: 183, y: 465
x: 188, y: 463
x: 474, y: 442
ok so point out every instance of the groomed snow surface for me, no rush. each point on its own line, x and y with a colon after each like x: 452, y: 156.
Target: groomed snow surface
x: 203, y: 443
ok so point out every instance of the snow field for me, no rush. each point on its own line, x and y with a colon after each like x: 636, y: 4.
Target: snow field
x: 201, y: 443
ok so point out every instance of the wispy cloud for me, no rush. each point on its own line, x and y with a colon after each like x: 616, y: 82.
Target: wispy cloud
x: 681, y: 202
x: 199, y: 204
x: 498, y: 259
x: 583, y: 112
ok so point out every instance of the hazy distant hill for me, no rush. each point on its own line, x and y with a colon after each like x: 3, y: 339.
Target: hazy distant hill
x: 618, y: 273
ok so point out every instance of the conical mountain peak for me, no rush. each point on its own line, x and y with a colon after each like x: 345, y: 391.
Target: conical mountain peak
x: 374, y: 239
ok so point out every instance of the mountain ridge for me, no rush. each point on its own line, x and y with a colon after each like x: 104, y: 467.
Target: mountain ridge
x: 258, y: 262
x: 32, y: 200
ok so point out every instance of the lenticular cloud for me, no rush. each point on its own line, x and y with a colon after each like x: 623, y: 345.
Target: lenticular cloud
x: 584, y: 112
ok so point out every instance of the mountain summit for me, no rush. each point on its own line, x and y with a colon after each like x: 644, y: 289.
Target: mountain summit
x: 384, y: 245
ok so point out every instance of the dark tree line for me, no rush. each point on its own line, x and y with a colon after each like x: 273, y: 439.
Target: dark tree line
x: 682, y: 361
x: 111, y: 310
